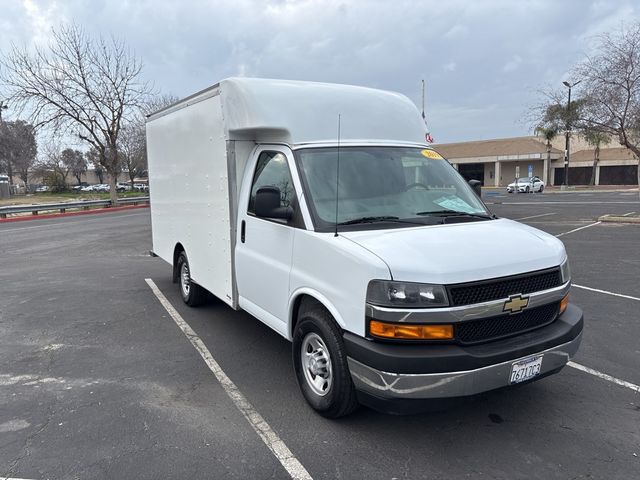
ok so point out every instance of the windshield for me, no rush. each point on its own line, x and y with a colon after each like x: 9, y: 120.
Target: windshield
x: 524, y: 180
x: 382, y: 184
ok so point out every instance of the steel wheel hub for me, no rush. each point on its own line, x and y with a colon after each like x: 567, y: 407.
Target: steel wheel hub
x: 316, y: 364
x: 185, y: 279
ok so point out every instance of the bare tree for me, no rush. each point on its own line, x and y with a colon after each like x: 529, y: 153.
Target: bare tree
x: 133, y: 150
x: 52, y: 168
x: 79, y: 84
x: 75, y: 161
x: 611, y: 87
x: 18, y: 149
x: 133, y: 141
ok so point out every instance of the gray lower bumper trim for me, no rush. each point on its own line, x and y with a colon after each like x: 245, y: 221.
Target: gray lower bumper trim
x: 453, y: 384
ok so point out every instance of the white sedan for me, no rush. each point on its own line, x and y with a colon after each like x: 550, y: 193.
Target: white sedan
x: 526, y: 185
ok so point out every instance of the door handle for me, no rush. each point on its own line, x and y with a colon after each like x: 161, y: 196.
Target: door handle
x: 243, y: 229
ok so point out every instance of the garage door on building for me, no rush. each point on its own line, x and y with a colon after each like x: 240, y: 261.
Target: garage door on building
x: 577, y: 175
x: 619, y: 175
x: 472, y: 171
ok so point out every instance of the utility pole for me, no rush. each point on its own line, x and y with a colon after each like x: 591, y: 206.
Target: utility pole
x: 567, y: 154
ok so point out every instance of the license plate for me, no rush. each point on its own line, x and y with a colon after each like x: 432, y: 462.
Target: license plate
x: 526, y: 369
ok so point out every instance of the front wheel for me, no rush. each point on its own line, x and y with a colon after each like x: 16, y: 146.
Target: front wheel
x: 320, y: 363
x: 541, y: 188
x: 192, y: 293
x: 526, y: 190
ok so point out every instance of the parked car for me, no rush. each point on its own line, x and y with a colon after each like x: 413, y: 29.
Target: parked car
x: 42, y: 188
x: 102, y: 187
x: 123, y: 187
x: 526, y: 185
x: 141, y: 187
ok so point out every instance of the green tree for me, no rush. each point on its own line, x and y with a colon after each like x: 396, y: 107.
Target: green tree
x: 75, y: 161
x: 595, y: 138
x: 548, y: 133
x: 18, y: 149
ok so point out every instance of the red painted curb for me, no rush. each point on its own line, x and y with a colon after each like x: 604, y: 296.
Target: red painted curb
x: 71, y: 214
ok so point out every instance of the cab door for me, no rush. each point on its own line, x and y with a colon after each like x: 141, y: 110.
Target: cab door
x: 265, y: 246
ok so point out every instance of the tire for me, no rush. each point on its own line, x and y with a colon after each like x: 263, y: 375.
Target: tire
x: 541, y: 188
x: 320, y: 364
x: 526, y: 190
x: 192, y: 294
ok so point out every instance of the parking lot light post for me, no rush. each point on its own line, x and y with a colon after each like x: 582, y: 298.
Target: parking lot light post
x: 565, y: 181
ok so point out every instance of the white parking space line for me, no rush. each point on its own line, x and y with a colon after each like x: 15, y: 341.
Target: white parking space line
x: 627, y: 214
x: 606, y: 292
x: 604, y: 376
x: 261, y: 427
x: 534, y: 216
x: 578, y: 229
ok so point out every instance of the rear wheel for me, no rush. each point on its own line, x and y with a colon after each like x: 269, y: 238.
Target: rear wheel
x: 541, y: 188
x: 192, y: 293
x: 320, y: 363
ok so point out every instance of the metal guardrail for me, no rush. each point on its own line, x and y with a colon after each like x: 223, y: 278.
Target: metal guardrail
x: 64, y: 206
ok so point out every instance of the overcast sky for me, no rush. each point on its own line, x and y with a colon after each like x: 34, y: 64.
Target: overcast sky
x: 483, y: 60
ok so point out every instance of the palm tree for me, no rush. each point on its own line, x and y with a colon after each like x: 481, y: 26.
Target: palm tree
x: 595, y: 139
x: 548, y: 133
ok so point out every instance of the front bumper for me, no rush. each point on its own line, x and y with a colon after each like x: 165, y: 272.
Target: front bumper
x: 393, y: 371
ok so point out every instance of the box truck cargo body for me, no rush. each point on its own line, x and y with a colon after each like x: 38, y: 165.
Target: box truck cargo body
x: 320, y: 210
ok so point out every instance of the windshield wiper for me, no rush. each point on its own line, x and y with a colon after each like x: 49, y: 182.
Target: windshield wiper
x: 381, y: 218
x: 456, y: 213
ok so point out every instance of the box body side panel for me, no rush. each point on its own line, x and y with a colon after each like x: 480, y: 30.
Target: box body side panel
x: 189, y: 188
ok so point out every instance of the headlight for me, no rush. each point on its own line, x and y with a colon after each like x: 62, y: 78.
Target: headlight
x: 388, y: 293
x: 565, y: 271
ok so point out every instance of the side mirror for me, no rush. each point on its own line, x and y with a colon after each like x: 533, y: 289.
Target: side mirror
x: 267, y: 204
x: 476, y: 185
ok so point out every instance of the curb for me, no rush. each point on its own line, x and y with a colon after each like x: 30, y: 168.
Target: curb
x: 71, y: 214
x: 619, y: 219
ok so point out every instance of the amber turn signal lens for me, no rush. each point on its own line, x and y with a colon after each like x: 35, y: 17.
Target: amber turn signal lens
x: 410, y: 332
x: 564, y: 302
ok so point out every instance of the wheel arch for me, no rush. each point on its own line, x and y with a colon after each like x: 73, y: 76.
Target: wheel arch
x: 305, y: 296
x: 177, y: 250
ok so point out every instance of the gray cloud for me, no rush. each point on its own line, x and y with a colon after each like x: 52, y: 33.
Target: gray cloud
x: 482, y: 60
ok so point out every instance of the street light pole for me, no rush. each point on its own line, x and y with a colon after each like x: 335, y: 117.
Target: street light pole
x: 567, y: 154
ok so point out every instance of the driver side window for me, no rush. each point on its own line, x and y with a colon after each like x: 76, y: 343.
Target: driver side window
x: 272, y: 170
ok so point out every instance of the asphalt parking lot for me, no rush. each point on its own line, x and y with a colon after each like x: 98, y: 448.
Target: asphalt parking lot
x: 98, y: 381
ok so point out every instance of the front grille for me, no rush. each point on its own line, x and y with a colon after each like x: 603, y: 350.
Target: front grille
x: 492, y: 328
x: 499, y: 288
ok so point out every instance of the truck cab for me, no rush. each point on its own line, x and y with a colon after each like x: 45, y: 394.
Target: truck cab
x: 321, y: 210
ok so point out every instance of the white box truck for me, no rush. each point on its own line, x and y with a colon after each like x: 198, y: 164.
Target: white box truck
x: 320, y: 210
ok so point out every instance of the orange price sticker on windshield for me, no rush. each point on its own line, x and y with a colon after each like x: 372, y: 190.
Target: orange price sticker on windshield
x: 431, y: 154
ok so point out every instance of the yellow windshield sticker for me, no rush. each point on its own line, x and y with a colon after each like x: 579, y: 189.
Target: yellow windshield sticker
x: 431, y: 154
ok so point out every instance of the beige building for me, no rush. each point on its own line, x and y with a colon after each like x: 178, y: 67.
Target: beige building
x: 495, y: 162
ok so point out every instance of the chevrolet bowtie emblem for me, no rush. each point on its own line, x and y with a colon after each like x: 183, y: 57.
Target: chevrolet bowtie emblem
x: 516, y: 303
